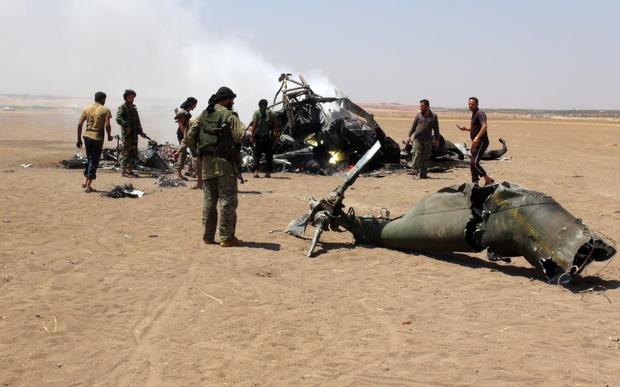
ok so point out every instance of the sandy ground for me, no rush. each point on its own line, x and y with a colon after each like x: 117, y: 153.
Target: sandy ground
x: 105, y: 292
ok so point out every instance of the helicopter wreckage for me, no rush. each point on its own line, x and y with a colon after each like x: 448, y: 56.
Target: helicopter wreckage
x: 505, y: 219
x: 328, y: 135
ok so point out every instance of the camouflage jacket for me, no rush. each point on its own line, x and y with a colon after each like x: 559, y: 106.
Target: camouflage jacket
x: 129, y: 120
x: 213, y: 166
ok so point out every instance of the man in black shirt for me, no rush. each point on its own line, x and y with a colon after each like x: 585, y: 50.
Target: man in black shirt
x: 480, y: 141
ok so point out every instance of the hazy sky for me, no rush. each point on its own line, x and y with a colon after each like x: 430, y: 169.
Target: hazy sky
x: 510, y: 54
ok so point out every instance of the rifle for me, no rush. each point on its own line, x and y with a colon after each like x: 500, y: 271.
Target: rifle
x: 228, y: 145
x: 118, y: 150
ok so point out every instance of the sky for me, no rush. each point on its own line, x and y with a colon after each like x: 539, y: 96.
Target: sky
x: 510, y: 54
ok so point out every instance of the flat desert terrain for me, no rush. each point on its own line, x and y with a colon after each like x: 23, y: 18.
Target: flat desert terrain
x: 122, y: 292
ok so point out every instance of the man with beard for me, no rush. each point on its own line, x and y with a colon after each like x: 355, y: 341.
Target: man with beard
x: 480, y: 141
x: 129, y: 120
x: 424, y: 124
x: 218, y: 171
x: 97, y: 116
x: 264, y: 129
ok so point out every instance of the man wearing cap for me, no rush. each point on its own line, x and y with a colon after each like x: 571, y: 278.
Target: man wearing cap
x: 264, y: 129
x: 218, y: 172
x: 96, y: 116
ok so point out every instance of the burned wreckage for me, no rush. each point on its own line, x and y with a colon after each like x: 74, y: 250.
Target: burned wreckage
x: 505, y: 219
x: 328, y: 135
x: 155, y: 159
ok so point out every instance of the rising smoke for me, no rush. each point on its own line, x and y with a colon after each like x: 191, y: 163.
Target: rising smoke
x: 162, y: 49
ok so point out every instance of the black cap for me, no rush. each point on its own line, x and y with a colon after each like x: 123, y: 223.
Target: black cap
x: 222, y: 94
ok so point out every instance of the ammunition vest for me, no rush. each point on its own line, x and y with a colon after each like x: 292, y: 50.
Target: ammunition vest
x: 208, y: 141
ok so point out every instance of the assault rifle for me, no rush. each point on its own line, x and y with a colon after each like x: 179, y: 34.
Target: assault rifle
x: 228, y: 146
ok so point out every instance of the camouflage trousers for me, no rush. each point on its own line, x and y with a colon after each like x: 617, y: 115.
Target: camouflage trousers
x: 421, y: 153
x: 182, y: 155
x: 130, y: 151
x: 223, y: 188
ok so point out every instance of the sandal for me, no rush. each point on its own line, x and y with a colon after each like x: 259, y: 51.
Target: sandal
x: 90, y: 189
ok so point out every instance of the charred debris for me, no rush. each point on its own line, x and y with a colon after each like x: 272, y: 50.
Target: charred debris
x: 328, y: 135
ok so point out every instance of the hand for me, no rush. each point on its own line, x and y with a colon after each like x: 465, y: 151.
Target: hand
x: 78, y: 144
x: 408, y: 140
x: 474, y: 142
x: 110, y: 138
x: 462, y: 128
x: 143, y: 135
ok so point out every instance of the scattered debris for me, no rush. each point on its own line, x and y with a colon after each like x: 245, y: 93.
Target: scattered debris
x: 6, y: 220
x: 27, y: 165
x: 155, y: 159
x: 169, y: 182
x: 9, y: 171
x: 153, y: 236
x: 123, y: 191
x: 505, y: 219
x: 128, y: 237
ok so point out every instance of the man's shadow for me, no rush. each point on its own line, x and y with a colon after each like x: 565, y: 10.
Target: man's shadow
x: 262, y: 245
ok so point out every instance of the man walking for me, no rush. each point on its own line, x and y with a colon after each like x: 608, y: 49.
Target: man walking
x: 218, y: 171
x: 264, y: 129
x: 129, y: 120
x: 480, y: 141
x: 424, y: 125
x: 97, y: 116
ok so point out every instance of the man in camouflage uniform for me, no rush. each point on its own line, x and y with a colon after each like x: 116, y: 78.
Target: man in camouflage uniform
x: 129, y: 120
x: 218, y: 172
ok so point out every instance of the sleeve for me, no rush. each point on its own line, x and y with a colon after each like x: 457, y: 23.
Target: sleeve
x: 237, y: 128
x: 120, y: 119
x: 256, y: 116
x: 108, y: 113
x: 83, y: 116
x: 192, y: 136
x: 413, y: 126
x: 482, y: 117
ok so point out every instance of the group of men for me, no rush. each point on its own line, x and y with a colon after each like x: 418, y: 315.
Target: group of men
x: 424, y: 134
x: 216, y: 170
x: 97, y: 117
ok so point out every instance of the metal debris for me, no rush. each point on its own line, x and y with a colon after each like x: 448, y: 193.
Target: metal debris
x: 123, y: 191
x: 505, y: 219
x: 169, y: 182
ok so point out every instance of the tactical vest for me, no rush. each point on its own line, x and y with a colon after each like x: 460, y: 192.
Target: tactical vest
x: 207, y: 140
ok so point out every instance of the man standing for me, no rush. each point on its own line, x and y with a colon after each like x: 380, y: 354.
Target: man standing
x: 218, y: 171
x: 480, y: 141
x: 424, y: 124
x: 264, y: 129
x: 129, y: 120
x: 182, y: 117
x: 97, y: 116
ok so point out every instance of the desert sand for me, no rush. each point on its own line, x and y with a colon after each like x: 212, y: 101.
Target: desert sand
x: 122, y: 292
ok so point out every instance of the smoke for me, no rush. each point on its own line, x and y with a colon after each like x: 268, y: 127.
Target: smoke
x: 164, y: 50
